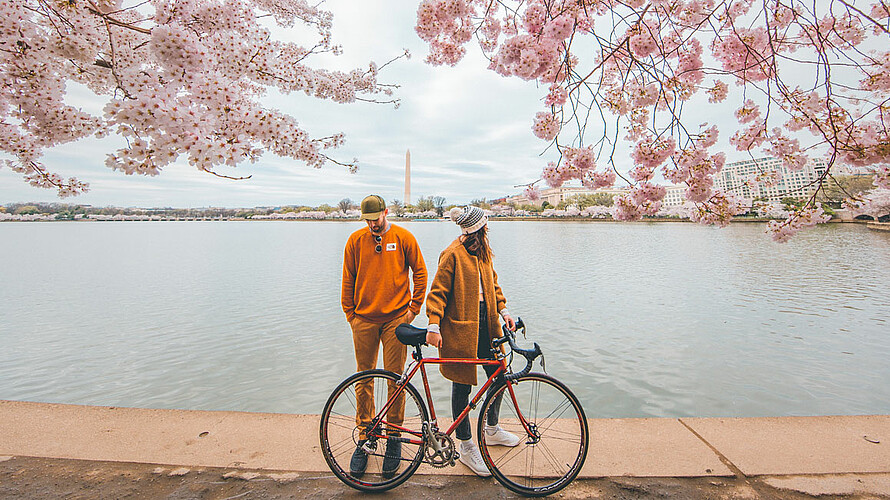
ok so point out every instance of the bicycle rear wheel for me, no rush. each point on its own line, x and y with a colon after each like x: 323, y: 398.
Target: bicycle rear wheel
x: 339, y: 433
x: 553, y: 446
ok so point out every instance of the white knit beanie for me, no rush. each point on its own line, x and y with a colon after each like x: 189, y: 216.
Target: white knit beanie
x: 469, y: 218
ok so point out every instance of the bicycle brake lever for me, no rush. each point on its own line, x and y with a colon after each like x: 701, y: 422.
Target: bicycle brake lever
x: 543, y: 366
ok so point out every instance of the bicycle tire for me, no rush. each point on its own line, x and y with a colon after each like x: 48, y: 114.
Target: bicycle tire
x: 338, y: 432
x: 546, y: 464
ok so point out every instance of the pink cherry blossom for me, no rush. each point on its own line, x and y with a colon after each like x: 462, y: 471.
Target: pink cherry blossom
x: 560, y: 27
x: 582, y: 159
x: 535, y: 17
x: 532, y: 193
x: 638, y: 74
x: 749, y: 137
x: 882, y: 176
x: 552, y: 176
x: 546, y: 126
x: 717, y: 210
x: 597, y: 180
x: 875, y: 203
x: 181, y: 80
x: 650, y: 153
x: 557, y: 96
x: 625, y: 209
x: 782, y: 231
x: 718, y: 92
x: 748, y: 112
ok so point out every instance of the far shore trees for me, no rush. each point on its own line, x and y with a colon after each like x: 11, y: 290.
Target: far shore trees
x: 842, y: 187
x: 583, y: 201
x: 396, y: 207
x: 345, y: 204
x: 424, y: 204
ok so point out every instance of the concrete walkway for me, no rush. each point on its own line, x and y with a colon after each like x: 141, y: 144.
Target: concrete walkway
x: 659, y: 447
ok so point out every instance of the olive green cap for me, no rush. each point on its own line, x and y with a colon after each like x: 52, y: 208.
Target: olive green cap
x: 372, y: 206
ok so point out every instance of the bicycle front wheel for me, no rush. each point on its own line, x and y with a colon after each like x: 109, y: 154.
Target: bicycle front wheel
x: 342, y: 430
x: 552, y: 431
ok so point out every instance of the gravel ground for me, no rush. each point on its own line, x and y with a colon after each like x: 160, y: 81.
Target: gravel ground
x: 27, y: 478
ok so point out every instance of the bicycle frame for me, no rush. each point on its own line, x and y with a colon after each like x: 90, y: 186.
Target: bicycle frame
x: 375, y: 429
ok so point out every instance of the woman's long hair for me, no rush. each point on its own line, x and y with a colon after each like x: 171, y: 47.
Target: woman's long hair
x: 477, y: 244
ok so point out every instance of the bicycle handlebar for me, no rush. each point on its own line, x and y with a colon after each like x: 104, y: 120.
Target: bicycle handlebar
x: 529, y: 354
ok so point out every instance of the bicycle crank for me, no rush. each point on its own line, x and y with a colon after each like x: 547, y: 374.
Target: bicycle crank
x: 440, y: 451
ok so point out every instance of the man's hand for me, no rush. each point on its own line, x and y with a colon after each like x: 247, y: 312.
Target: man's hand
x: 409, y: 317
x: 434, y: 339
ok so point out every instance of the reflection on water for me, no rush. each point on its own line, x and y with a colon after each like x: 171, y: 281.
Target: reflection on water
x: 639, y: 319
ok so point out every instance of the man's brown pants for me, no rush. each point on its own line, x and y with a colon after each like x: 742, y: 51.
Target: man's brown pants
x: 367, y: 338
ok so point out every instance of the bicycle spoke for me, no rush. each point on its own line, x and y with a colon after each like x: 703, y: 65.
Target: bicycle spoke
x: 545, y: 461
x: 341, y: 445
x: 344, y: 423
x: 504, y: 460
x: 350, y: 397
x: 529, y: 471
x: 555, y: 464
x: 362, y: 397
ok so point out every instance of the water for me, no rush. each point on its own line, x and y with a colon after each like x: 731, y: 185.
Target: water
x: 640, y: 320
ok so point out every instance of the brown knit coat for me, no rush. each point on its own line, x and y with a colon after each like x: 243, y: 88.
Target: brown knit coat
x: 453, y: 304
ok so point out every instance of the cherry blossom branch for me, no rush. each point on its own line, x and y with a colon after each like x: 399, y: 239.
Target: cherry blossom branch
x: 95, y: 10
x: 209, y: 171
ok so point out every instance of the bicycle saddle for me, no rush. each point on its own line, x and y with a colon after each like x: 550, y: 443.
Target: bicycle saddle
x: 411, y: 335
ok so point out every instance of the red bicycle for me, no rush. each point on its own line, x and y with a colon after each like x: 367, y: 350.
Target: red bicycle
x: 538, y: 408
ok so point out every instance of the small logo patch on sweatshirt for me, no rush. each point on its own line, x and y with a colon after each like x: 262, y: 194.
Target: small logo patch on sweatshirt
x: 390, y: 247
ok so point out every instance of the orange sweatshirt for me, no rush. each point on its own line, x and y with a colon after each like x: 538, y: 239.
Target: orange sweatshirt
x: 375, y: 284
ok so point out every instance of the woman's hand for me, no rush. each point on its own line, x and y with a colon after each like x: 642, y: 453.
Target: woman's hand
x: 434, y: 339
x: 508, y: 320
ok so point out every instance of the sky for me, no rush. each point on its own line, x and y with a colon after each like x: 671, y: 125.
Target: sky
x: 468, y: 130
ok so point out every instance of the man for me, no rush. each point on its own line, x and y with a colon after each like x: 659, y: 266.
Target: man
x: 376, y: 298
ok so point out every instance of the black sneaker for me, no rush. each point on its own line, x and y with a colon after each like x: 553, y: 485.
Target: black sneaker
x: 359, y: 461
x: 392, y: 458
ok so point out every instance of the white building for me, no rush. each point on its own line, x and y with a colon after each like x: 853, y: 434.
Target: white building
x: 741, y: 178
x: 675, y: 196
x: 554, y: 196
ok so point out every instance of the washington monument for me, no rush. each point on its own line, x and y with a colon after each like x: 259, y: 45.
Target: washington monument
x: 407, y: 177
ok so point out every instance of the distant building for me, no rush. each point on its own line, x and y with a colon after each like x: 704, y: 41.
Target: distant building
x: 675, y: 196
x: 742, y: 179
x: 554, y: 196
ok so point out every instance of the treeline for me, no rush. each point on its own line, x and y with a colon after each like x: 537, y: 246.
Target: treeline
x: 71, y: 211
x: 425, y: 204
x: 428, y: 205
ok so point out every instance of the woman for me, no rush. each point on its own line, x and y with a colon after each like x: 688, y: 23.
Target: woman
x: 463, y: 307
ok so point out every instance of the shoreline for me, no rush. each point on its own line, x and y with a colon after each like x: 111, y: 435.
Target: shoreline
x: 871, y: 224
x: 833, y: 455
x: 641, y: 447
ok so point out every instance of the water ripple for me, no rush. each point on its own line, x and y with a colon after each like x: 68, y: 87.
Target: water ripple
x: 640, y: 320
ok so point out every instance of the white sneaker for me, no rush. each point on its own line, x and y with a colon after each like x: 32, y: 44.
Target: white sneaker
x: 496, y: 436
x: 472, y: 458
